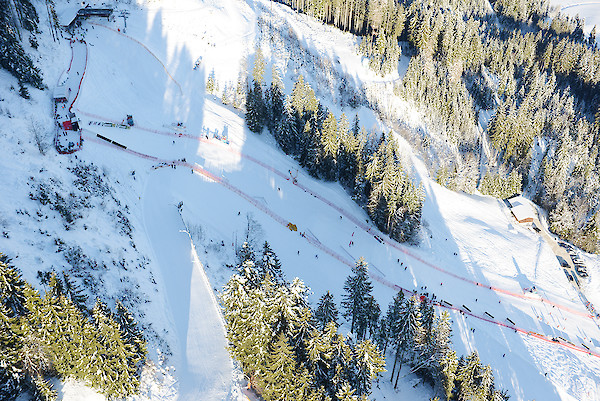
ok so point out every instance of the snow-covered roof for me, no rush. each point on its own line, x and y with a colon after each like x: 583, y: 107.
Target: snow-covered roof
x: 517, y: 200
x: 521, y: 208
x: 61, y: 92
x: 67, y: 12
x: 522, y: 212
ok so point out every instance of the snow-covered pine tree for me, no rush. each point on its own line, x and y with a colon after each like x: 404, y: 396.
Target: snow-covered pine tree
x: 246, y: 253
x: 131, y: 334
x: 109, y: 367
x: 74, y: 293
x: 57, y: 288
x: 274, y: 102
x: 357, y: 299
x: 425, y: 352
x: 247, y: 322
x: 468, y: 376
x: 369, y: 364
x: 212, y: 86
x: 287, y: 134
x: 348, y: 156
x: 269, y: 264
x: 408, y: 333
x: 326, y: 312
x: 318, y: 351
x: 258, y: 70
x: 280, y: 380
x: 340, y: 368
x: 12, y: 288
x: 11, y: 373
x: 255, y: 108
x: 12, y: 56
x: 448, y: 366
x: 589, y: 239
x: 330, y: 143
x: 485, y: 390
x: 562, y: 221
x: 373, y: 313
x: 393, y: 321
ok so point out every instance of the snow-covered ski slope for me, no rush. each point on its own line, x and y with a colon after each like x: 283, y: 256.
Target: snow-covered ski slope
x: 472, y: 255
x: 148, y: 72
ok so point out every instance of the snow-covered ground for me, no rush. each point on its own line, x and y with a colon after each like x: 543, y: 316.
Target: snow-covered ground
x: 473, y: 254
x: 586, y: 9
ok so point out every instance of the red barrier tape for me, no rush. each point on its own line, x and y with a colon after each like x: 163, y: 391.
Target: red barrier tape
x: 330, y: 252
x: 356, y: 221
x: 82, y: 75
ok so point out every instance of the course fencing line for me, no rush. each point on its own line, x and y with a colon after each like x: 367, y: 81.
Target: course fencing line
x: 359, y: 223
x: 70, y: 63
x: 82, y: 75
x: 283, y: 222
x: 145, y: 47
x: 142, y: 128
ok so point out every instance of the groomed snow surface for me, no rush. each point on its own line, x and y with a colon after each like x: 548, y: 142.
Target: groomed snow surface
x: 469, y: 243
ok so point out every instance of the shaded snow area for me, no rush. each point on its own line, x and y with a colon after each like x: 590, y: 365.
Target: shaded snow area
x: 109, y: 213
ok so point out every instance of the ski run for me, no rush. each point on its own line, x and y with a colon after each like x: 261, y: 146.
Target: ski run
x: 194, y: 178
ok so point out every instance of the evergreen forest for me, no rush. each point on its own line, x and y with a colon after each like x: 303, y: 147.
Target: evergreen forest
x: 290, y: 351
x: 508, y: 87
x: 18, y: 19
x: 368, y: 165
x: 55, y: 335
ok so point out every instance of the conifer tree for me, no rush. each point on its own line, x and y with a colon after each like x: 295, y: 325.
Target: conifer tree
x: 319, y: 353
x: 269, y: 264
x: 589, y: 239
x: 274, y: 102
x: 408, y: 333
x: 340, y: 368
x: 109, y: 366
x: 74, y: 293
x: 12, y: 56
x: 469, y: 376
x: 246, y: 253
x: 370, y: 363
x: 255, y: 108
x: 330, y: 145
x: 287, y: 135
x: 212, y: 85
x: 280, y: 381
x: 357, y: 299
x: 11, y: 374
x: 326, y: 312
x: 131, y: 334
x: 448, y: 367
x: 12, y: 289
x: 393, y: 317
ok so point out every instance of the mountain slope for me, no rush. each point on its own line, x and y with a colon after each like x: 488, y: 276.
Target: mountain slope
x: 148, y: 72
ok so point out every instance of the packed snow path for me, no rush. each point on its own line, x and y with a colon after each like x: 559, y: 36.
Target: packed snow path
x: 204, y: 368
